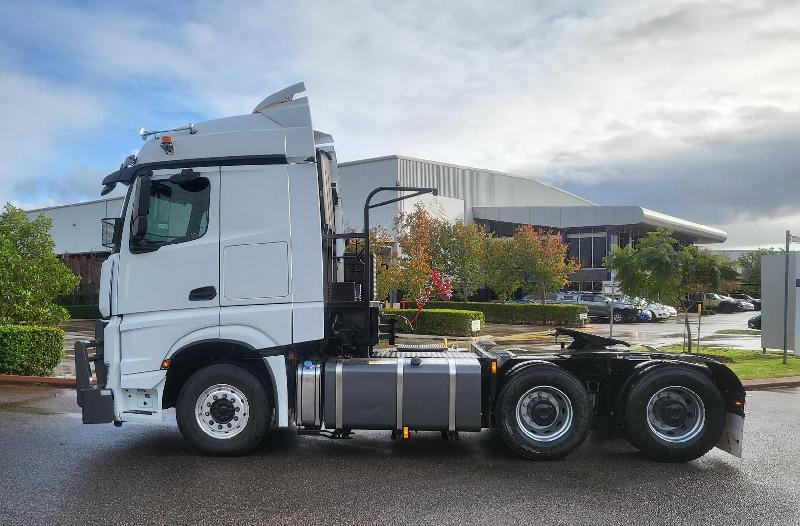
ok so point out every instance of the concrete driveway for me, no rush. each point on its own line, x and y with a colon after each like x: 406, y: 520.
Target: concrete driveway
x: 58, y: 471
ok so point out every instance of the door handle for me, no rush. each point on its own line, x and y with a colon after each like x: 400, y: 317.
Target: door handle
x: 203, y: 294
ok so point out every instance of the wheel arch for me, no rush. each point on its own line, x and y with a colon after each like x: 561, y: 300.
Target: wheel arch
x: 196, y: 355
x: 722, y: 377
x: 513, y: 371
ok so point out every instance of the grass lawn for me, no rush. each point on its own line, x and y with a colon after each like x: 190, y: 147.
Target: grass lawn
x: 751, y: 365
x: 753, y: 332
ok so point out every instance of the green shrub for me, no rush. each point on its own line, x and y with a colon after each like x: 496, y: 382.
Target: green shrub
x: 443, y: 322
x: 520, y: 313
x: 30, y: 350
x: 83, y: 312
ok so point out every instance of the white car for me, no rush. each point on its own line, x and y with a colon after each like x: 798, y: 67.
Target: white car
x: 657, y: 310
x: 672, y: 311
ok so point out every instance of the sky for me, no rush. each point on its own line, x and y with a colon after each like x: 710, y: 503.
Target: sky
x: 687, y: 108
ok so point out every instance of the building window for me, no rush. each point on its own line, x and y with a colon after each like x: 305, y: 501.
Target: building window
x: 588, y: 249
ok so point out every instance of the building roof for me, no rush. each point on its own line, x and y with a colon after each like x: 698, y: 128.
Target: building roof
x: 588, y: 216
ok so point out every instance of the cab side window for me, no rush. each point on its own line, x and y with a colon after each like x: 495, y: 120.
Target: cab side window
x: 178, y: 212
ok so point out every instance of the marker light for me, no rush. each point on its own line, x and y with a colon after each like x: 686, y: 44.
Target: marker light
x: 166, y: 139
x: 165, y: 363
x: 494, y: 367
x: 406, y: 433
x: 739, y: 403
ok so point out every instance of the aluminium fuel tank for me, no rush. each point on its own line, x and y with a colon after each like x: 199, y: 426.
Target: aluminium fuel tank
x: 436, y: 392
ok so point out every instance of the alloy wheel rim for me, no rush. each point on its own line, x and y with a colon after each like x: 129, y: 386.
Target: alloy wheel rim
x: 222, y: 411
x: 544, y: 413
x: 676, y: 414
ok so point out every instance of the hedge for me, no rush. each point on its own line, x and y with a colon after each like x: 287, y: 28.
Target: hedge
x: 442, y: 322
x: 520, y: 313
x: 30, y: 350
x: 83, y: 312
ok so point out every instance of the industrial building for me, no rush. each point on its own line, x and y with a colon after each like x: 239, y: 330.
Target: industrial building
x: 498, y: 201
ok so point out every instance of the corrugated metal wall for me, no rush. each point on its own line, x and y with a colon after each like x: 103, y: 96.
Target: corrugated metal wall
x: 474, y: 186
x: 358, y: 179
x: 478, y: 187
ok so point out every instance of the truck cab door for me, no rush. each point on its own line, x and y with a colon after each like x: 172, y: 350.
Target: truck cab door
x: 169, y: 265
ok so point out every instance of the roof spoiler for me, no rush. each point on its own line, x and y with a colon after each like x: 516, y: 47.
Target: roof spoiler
x: 279, y: 97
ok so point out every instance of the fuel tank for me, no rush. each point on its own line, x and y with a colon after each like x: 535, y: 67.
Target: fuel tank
x: 435, y: 391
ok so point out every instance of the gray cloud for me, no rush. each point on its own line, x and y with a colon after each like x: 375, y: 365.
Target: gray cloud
x: 687, y: 108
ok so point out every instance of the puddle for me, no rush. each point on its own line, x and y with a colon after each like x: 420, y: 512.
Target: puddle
x: 23, y: 407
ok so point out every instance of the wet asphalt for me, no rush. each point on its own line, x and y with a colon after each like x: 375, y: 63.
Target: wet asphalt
x: 54, y: 470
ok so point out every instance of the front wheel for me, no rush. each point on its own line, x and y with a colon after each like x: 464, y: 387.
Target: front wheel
x: 543, y: 413
x: 619, y: 317
x: 224, y: 410
x: 674, y: 414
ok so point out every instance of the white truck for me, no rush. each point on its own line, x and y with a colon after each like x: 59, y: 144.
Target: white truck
x: 229, y: 296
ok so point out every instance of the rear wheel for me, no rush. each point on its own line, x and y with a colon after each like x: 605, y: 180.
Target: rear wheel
x: 543, y: 413
x: 224, y: 410
x: 674, y: 414
x: 619, y: 317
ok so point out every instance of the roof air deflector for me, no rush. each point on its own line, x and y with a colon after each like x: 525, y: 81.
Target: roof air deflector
x: 279, y: 97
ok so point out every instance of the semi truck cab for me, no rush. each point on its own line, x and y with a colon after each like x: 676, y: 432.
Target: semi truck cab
x: 233, y: 295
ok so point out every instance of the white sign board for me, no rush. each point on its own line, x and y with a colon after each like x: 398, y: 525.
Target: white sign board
x: 773, y: 267
x: 476, y: 325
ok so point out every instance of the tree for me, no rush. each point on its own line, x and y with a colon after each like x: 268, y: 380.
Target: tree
x: 657, y: 269
x: 500, y: 266
x: 410, y: 270
x: 31, y: 275
x: 750, y: 262
x: 457, y: 250
x: 542, y: 258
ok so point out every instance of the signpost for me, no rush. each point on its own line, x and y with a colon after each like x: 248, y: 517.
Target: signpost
x: 789, y: 239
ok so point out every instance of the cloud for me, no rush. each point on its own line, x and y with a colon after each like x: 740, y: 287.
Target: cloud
x: 688, y: 108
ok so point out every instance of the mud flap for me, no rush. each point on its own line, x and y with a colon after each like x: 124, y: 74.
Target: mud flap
x: 732, y: 435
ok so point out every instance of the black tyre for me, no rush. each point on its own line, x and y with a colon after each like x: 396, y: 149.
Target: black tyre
x: 619, y: 317
x: 223, y: 410
x: 674, y: 414
x: 543, y: 413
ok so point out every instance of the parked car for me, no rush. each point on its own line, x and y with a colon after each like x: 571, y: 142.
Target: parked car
x: 646, y: 315
x: 600, y: 306
x: 657, y: 311
x: 712, y: 300
x: 739, y: 305
x: 672, y: 311
x: 754, y: 322
x: 746, y: 297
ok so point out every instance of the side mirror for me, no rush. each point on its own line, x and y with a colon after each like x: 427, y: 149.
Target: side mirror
x: 138, y: 228
x: 139, y: 220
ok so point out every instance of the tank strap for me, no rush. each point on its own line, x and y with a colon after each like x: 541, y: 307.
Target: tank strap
x: 451, y: 365
x: 400, y: 365
x: 339, y: 366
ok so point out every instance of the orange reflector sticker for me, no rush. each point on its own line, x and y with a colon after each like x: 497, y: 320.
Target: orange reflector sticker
x: 165, y: 364
x: 494, y: 367
x: 406, y: 433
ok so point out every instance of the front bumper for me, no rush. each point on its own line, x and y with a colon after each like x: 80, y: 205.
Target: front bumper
x: 96, y: 402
